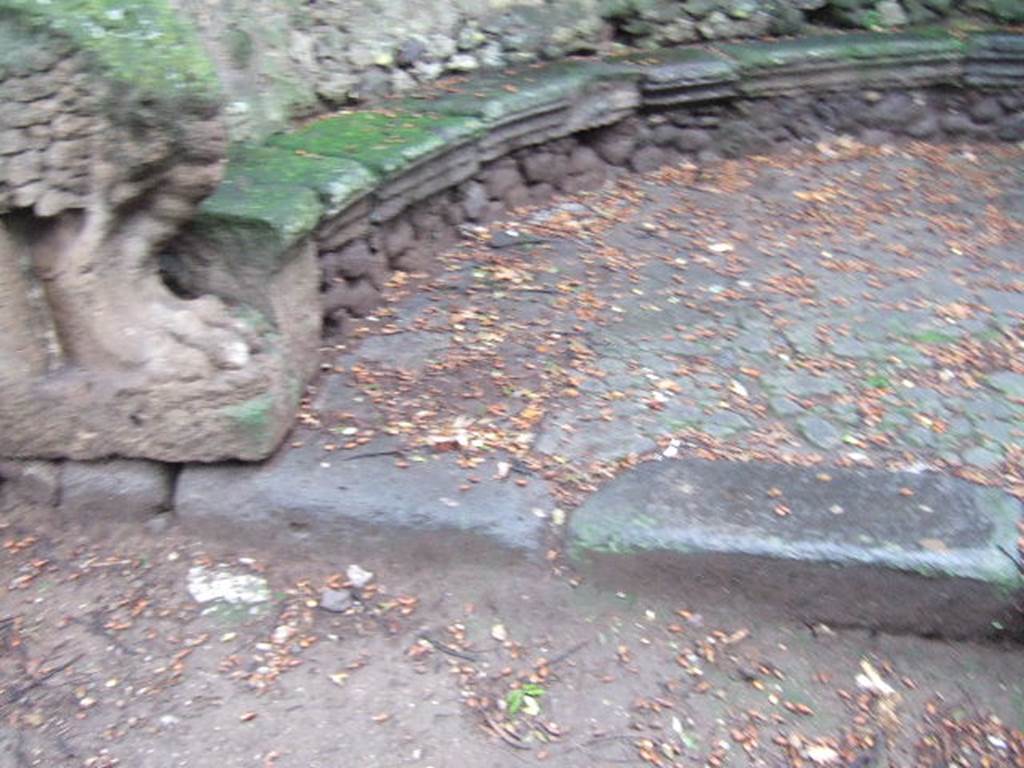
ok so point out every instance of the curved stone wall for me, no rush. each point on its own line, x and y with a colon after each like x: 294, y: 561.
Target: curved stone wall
x: 205, y: 320
x: 380, y: 190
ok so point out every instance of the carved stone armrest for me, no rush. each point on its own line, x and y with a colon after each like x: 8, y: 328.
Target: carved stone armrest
x: 110, y: 137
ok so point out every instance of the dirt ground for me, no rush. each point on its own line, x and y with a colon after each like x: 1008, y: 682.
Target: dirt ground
x: 108, y: 660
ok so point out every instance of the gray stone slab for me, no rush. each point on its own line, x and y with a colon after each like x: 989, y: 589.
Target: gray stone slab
x: 323, y: 496
x: 821, y: 433
x: 983, y: 458
x: 784, y: 406
x: 595, y: 440
x: 411, y: 352
x: 897, y: 551
x: 116, y: 489
x: 723, y: 424
x: 1009, y: 383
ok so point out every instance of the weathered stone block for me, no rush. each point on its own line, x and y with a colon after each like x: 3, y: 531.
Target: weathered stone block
x: 683, y: 76
x: 517, y: 197
x: 919, y: 553
x: 357, y: 260
x: 299, y: 491
x: 397, y: 237
x: 534, y: 106
x: 357, y: 297
x: 648, y: 159
x: 117, y: 489
x: 616, y: 146
x: 539, y: 167
x: 585, y: 160
x: 844, y: 62
x: 500, y: 179
x: 692, y: 140
x: 474, y: 200
x: 273, y: 197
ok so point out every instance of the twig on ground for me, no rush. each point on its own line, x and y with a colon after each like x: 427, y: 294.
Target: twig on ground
x: 17, y: 694
x: 567, y: 653
x: 373, y: 455
x: 504, y: 735
x: 514, y: 242
x: 444, y: 648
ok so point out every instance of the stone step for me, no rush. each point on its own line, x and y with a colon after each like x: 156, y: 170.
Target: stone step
x: 322, y: 496
x: 908, y: 552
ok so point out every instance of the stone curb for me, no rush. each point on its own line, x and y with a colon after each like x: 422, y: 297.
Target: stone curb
x: 922, y: 553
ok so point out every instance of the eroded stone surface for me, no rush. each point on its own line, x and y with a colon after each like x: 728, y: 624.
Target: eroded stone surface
x: 115, y: 342
x: 32, y: 482
x: 119, y: 489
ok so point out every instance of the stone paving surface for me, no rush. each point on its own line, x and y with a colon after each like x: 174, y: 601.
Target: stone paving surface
x: 837, y: 305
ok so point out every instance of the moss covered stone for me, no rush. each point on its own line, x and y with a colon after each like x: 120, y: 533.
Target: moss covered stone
x: 254, y: 418
x: 864, y: 47
x: 141, y: 43
x: 386, y: 142
x: 274, y: 197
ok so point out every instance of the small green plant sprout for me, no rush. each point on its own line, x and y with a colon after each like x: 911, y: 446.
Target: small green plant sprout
x: 524, y: 699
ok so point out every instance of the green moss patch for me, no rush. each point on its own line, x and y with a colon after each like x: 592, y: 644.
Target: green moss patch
x: 386, y: 142
x: 275, y: 197
x: 141, y: 43
x: 254, y: 418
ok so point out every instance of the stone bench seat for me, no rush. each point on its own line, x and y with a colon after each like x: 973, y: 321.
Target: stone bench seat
x: 375, y: 164
x: 402, y: 154
x: 306, y: 227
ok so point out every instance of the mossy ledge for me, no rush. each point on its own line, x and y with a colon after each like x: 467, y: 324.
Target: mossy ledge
x: 142, y: 44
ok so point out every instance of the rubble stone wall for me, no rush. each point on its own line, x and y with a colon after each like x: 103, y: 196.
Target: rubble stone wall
x: 278, y: 58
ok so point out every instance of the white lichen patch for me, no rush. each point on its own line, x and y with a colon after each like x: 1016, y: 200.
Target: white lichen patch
x: 207, y: 585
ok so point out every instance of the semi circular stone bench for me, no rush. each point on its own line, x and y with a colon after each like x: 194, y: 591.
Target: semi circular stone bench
x: 187, y: 334
x: 385, y: 189
x: 307, y: 227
